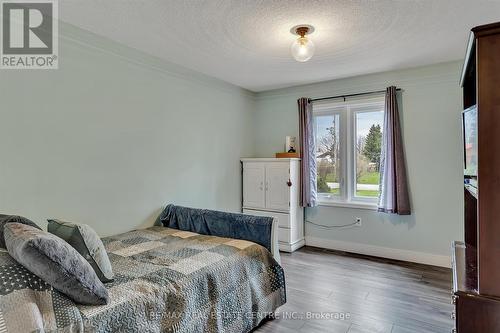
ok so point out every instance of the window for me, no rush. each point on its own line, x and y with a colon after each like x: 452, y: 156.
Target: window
x: 348, y: 147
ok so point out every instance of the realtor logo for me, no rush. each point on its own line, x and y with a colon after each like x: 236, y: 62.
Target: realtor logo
x: 29, y: 34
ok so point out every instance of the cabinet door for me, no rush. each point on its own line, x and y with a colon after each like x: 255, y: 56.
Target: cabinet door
x: 253, y: 185
x: 277, y: 190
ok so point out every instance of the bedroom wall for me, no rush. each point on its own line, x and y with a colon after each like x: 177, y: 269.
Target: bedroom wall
x: 431, y: 104
x: 114, y: 134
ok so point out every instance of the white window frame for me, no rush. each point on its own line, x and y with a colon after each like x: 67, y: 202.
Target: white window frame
x: 347, y: 111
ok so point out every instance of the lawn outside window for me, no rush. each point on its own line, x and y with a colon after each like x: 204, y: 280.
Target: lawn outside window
x: 348, y: 146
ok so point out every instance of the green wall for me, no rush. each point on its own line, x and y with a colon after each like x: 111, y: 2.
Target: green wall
x: 114, y: 134
x: 431, y: 104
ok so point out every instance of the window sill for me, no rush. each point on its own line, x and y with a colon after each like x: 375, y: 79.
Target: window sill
x: 357, y: 205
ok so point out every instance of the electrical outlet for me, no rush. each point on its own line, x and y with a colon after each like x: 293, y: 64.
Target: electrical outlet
x: 358, y: 221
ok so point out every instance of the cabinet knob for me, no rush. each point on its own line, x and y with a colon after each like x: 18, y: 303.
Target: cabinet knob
x: 289, y: 183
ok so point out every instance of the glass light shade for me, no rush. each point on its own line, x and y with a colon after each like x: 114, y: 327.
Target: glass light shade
x: 302, y: 49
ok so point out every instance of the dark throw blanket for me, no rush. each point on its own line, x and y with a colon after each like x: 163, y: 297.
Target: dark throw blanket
x: 257, y: 229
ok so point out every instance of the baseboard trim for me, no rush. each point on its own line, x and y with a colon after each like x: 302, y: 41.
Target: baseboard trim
x: 290, y: 247
x: 379, y: 251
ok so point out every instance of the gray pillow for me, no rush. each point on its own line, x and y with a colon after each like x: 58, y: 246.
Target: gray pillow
x: 4, y: 219
x: 85, y: 240
x: 55, y: 262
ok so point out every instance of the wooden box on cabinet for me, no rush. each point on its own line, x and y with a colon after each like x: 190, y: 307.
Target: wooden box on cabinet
x: 271, y: 188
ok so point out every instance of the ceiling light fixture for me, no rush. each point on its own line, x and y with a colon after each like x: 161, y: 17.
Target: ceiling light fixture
x: 303, y: 48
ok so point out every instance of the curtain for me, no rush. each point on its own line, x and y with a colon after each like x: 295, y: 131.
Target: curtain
x: 394, y: 197
x: 307, y: 153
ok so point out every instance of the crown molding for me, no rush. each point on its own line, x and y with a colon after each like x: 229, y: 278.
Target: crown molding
x: 70, y: 34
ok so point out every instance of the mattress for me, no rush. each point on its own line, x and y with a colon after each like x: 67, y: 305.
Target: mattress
x: 166, y: 280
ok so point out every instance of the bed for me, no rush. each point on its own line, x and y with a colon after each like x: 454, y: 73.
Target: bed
x: 166, y: 280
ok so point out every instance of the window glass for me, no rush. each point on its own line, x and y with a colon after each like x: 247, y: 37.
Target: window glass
x: 328, y: 154
x: 368, y: 136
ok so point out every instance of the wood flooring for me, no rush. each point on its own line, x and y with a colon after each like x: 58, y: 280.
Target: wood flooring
x: 362, y: 294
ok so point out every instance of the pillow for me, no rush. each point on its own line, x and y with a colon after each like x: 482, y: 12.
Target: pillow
x: 55, y: 262
x: 85, y: 240
x: 4, y: 219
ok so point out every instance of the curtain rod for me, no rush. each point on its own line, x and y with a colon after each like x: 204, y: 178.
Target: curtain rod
x: 351, y: 95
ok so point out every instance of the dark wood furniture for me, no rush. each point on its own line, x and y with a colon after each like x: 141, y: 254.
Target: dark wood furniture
x: 476, y: 262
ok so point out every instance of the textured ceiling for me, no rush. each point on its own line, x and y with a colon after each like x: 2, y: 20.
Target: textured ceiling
x: 247, y: 42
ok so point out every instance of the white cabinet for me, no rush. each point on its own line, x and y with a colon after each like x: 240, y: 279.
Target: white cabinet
x: 271, y: 188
